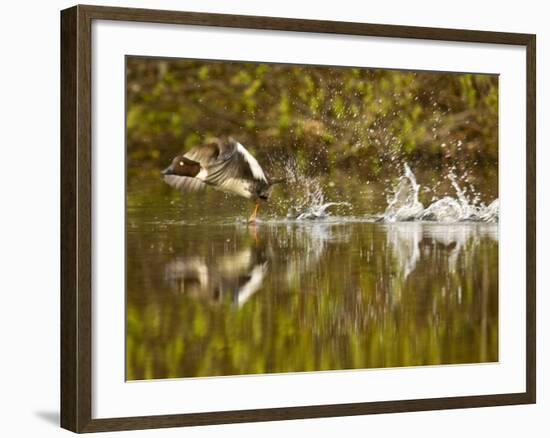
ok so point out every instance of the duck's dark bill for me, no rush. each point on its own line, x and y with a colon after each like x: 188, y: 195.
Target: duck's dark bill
x: 167, y: 171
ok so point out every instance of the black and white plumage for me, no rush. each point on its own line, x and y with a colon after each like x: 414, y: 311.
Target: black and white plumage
x: 225, y: 165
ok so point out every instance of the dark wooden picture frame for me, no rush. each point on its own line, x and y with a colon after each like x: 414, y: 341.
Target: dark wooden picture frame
x: 76, y: 218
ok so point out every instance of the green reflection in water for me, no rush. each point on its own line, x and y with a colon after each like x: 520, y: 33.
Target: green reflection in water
x: 220, y: 298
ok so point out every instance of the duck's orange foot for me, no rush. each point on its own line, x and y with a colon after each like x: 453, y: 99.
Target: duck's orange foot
x: 252, y: 218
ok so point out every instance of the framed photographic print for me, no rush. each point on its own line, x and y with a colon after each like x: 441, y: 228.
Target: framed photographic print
x: 268, y: 218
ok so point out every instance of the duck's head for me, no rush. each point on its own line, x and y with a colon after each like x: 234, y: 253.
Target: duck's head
x: 182, y: 166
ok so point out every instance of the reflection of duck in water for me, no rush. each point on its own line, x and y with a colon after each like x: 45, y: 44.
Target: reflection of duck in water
x: 236, y: 276
x: 224, y: 165
x: 239, y: 275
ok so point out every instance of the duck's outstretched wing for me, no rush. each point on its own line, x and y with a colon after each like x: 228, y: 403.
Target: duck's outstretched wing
x: 233, y: 163
x: 184, y: 183
x: 234, y: 170
x: 205, y: 154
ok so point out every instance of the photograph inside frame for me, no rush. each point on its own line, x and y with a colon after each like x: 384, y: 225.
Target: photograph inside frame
x: 291, y: 218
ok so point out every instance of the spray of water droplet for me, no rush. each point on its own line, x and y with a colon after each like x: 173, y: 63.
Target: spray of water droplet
x: 404, y: 204
x: 309, y: 202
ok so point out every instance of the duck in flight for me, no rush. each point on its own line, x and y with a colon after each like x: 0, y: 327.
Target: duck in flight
x: 225, y: 165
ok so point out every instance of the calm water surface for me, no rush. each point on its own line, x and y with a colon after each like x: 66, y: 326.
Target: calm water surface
x: 208, y: 295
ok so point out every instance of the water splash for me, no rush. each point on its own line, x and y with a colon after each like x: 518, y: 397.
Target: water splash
x: 491, y: 212
x: 309, y: 201
x: 313, y: 211
x: 404, y: 205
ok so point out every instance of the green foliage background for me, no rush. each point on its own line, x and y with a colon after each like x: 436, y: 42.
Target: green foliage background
x: 329, y: 118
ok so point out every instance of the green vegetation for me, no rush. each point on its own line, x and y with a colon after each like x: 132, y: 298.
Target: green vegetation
x: 356, y: 298
x: 328, y: 118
